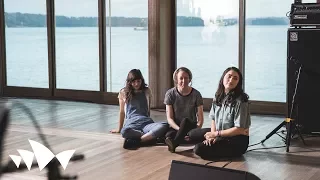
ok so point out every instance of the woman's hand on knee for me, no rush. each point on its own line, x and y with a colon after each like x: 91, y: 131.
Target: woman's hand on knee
x: 246, y: 132
x: 209, y: 142
x: 115, y: 131
x: 209, y: 135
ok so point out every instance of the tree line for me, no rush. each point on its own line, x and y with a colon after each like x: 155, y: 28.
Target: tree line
x: 39, y: 20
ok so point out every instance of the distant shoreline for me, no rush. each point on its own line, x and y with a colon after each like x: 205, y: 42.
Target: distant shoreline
x: 25, y: 20
x: 134, y: 27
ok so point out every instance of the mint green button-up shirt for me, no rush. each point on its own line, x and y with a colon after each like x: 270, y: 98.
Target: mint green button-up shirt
x: 228, y: 116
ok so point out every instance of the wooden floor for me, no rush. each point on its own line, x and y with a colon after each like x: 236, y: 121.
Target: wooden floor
x: 85, y: 127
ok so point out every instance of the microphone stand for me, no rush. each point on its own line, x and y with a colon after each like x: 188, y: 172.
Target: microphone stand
x: 289, y: 122
x: 53, y: 166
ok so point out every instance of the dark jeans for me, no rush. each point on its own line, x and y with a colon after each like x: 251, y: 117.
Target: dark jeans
x: 224, y: 147
x: 197, y: 135
x: 185, y: 127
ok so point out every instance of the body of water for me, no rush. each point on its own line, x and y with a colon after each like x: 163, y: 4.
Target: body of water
x: 207, y: 51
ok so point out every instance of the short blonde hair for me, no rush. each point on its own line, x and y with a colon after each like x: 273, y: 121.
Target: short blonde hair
x: 184, y: 69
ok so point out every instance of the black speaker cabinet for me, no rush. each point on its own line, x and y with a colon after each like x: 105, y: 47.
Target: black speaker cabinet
x: 188, y: 171
x: 304, y: 51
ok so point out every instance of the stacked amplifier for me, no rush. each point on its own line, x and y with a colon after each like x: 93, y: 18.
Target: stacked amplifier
x: 303, y: 66
x: 305, y: 14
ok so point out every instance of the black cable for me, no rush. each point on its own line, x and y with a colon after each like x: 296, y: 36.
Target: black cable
x: 281, y: 136
x: 261, y: 141
x: 312, y: 135
x: 209, y: 163
x: 255, y: 144
x: 226, y: 164
x: 249, y: 151
x: 217, y: 161
x: 288, y: 14
x: 265, y: 148
x: 277, y: 133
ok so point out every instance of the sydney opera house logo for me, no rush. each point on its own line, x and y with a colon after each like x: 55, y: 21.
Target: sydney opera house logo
x: 43, y: 156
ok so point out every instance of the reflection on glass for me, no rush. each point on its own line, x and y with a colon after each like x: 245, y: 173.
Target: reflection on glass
x: 77, y: 44
x: 207, y: 40
x: 266, y: 49
x: 127, y: 41
x: 26, y: 43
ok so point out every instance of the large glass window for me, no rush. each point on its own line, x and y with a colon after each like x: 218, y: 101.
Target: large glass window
x: 207, y: 40
x: 26, y: 43
x: 266, y: 49
x: 309, y: 1
x: 127, y: 40
x: 77, y: 44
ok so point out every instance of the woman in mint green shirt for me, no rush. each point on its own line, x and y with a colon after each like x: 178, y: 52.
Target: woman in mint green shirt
x: 230, y: 114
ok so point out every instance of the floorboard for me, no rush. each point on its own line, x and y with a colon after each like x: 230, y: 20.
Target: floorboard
x: 85, y: 128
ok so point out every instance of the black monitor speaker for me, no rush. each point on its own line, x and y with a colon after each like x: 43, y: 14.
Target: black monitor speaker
x: 303, y: 52
x: 189, y: 171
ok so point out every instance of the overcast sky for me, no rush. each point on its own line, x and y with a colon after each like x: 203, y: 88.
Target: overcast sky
x: 138, y: 8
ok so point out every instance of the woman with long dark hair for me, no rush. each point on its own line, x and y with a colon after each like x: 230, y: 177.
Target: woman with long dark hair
x: 134, y: 102
x: 230, y: 114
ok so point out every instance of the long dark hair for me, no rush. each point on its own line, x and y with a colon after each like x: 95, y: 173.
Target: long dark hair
x: 133, y: 75
x: 234, y: 93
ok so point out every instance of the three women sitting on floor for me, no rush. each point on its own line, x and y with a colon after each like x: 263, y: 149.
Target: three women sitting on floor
x: 230, y: 115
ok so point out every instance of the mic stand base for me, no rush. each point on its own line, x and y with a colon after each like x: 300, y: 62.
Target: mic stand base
x: 289, y: 123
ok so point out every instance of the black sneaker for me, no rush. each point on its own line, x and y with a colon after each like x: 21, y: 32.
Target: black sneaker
x: 148, y: 143
x: 131, y: 144
x: 160, y: 140
x: 171, y: 145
